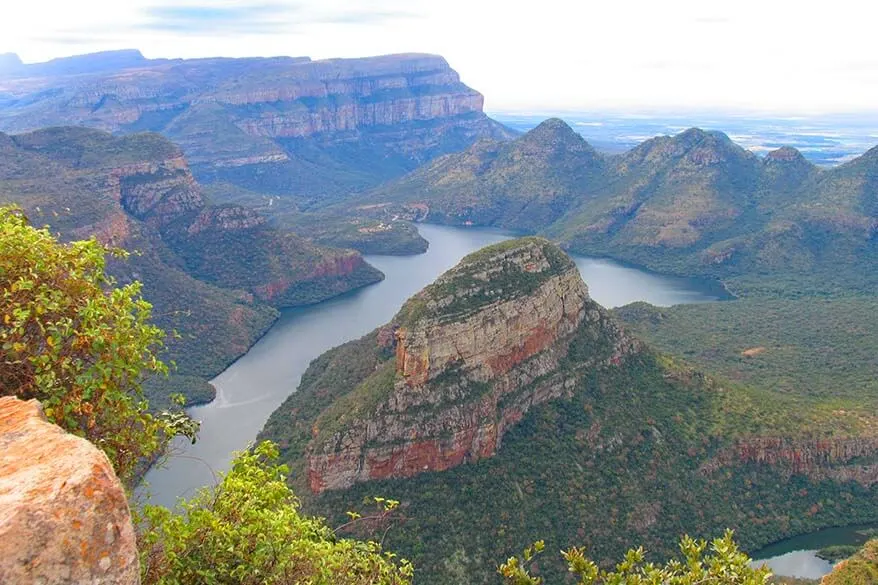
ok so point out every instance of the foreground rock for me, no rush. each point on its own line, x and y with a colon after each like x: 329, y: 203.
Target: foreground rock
x: 64, y: 517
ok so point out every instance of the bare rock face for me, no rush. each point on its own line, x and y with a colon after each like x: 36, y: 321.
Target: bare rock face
x: 229, y: 218
x: 838, y: 459
x: 64, y: 518
x: 473, y: 353
x: 227, y: 112
x: 158, y: 191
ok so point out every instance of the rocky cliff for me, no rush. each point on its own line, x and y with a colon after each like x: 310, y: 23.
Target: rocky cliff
x: 205, y: 268
x: 347, y: 121
x: 468, y: 357
x: 64, y: 517
x: 839, y: 459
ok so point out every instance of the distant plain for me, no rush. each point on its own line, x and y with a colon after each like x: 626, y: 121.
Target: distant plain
x: 824, y: 140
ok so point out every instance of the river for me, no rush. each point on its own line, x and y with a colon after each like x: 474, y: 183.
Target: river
x: 797, y: 556
x: 257, y: 383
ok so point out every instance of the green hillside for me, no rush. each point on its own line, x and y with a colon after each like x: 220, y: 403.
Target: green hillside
x: 214, y: 274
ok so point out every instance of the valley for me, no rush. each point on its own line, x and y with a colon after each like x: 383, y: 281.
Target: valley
x: 511, y: 332
x: 257, y: 383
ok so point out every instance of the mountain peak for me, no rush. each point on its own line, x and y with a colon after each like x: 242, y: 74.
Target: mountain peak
x: 9, y: 62
x: 553, y: 127
x: 784, y: 154
x: 553, y: 135
x: 489, y: 275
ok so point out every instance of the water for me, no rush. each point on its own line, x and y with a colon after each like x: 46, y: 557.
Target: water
x: 256, y: 384
x: 797, y: 557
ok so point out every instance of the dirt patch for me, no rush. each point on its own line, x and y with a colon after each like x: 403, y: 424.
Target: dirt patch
x: 753, y: 351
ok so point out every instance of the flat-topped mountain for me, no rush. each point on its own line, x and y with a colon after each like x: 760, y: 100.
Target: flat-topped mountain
x: 207, y: 269
x: 502, y: 404
x: 281, y: 125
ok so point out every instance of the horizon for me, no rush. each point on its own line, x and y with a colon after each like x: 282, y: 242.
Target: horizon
x: 746, y: 57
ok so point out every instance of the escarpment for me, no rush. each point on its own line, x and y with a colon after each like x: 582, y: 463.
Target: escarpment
x: 465, y: 359
x: 64, y: 516
x: 284, y: 125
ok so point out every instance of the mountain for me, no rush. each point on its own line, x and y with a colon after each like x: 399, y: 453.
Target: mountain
x: 213, y: 273
x: 76, y: 65
x: 502, y: 405
x: 9, y: 63
x: 286, y: 126
x: 525, y: 184
x: 694, y: 204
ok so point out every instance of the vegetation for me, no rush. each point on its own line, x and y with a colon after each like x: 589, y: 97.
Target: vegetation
x: 723, y: 565
x: 837, y: 552
x: 860, y: 569
x: 79, y: 345
x: 248, y: 531
x: 621, y: 461
x: 820, y: 351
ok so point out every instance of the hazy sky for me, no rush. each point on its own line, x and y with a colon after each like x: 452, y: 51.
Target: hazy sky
x: 634, y: 55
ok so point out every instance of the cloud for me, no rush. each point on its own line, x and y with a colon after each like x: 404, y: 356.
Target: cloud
x: 263, y: 18
x: 713, y: 20
x: 219, y: 19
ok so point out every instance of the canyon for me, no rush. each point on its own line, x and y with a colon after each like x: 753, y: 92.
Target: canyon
x: 212, y: 272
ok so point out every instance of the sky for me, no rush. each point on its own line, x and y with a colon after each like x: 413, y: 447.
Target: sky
x: 772, y: 56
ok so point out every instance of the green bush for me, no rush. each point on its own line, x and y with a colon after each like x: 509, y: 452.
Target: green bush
x: 248, y: 531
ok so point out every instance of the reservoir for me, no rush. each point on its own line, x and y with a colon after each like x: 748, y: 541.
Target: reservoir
x: 257, y: 383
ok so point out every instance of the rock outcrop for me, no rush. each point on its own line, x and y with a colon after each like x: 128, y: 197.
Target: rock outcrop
x: 64, y: 517
x: 471, y: 354
x: 837, y: 459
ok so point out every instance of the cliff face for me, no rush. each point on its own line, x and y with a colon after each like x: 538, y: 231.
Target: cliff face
x: 836, y: 459
x: 203, y: 267
x: 64, y: 517
x: 472, y: 354
x: 233, y: 113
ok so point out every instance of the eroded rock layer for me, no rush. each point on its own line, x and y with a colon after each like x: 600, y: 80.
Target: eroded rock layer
x: 229, y: 112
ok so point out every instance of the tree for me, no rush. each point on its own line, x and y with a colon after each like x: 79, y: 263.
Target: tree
x: 725, y: 564
x: 860, y: 569
x: 77, y: 343
x: 248, y: 531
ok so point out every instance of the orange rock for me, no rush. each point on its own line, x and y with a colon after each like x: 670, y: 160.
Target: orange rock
x: 64, y: 517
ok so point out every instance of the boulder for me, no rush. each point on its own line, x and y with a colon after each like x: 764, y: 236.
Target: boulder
x: 64, y: 516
